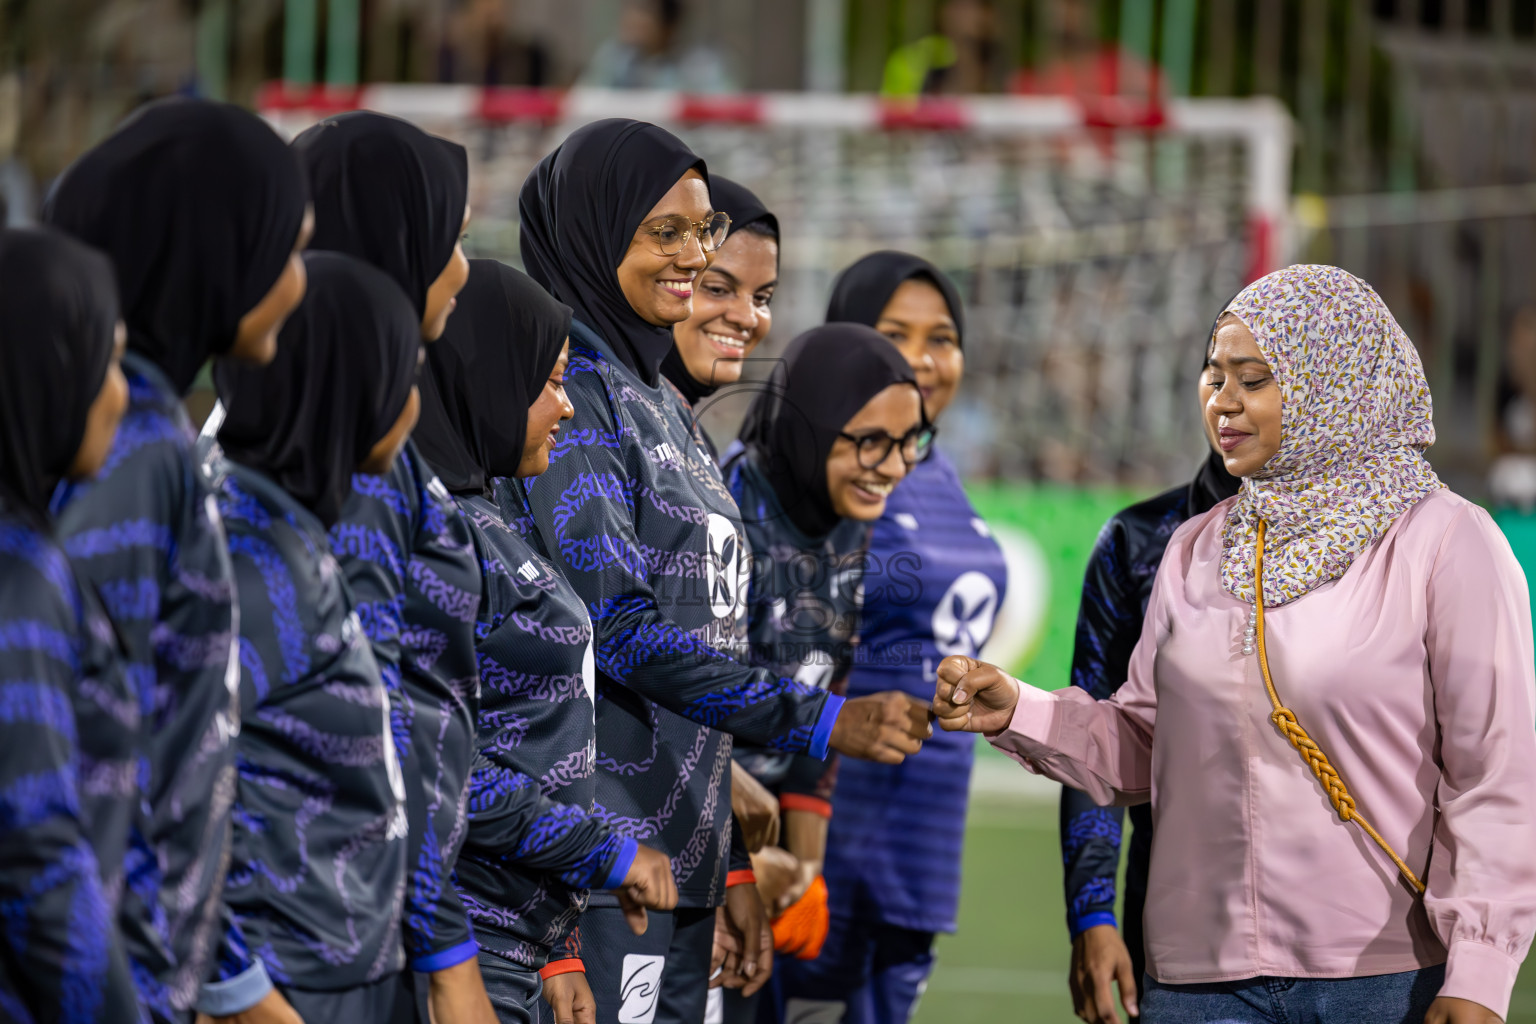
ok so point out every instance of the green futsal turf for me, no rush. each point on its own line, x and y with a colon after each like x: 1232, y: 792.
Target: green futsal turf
x: 1009, y: 961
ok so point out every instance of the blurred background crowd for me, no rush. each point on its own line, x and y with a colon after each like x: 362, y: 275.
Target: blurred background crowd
x: 1414, y: 166
x: 1092, y: 259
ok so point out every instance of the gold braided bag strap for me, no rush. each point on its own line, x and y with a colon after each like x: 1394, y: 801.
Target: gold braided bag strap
x: 1285, y: 720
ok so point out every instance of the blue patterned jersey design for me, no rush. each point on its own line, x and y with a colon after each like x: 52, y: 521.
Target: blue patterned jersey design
x: 803, y: 605
x: 317, y: 877
x: 1116, y: 588
x: 934, y: 580
x: 635, y: 513
x: 71, y: 764
x: 409, y: 559
x: 534, y: 849
x: 147, y: 535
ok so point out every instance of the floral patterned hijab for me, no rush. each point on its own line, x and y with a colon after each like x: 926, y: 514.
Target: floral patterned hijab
x: 1356, y: 419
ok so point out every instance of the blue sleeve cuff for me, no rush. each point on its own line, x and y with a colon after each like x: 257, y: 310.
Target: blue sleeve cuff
x: 446, y: 958
x: 238, y: 994
x: 822, y: 737
x: 622, y: 864
x: 1078, y: 925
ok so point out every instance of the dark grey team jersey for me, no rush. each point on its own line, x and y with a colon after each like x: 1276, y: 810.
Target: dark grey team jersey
x: 534, y: 846
x: 146, y: 533
x: 802, y: 615
x: 635, y: 512
x: 408, y: 558
x: 317, y: 877
x: 71, y: 761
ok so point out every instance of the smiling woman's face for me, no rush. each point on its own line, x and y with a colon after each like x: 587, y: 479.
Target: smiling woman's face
x: 544, y: 417
x: 1242, y: 400
x: 660, y: 287
x: 857, y: 491
x: 730, y: 309
x: 918, y: 322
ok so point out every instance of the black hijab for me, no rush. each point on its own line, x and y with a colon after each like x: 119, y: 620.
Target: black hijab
x: 346, y: 361
x: 198, y: 205
x: 579, y: 210
x: 825, y: 377
x: 387, y: 193
x: 861, y: 292
x: 741, y: 205
x: 745, y: 209
x: 483, y: 375
x: 58, y: 313
x: 1212, y: 484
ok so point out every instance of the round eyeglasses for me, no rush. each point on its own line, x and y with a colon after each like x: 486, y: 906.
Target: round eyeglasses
x: 671, y: 234
x: 874, y: 448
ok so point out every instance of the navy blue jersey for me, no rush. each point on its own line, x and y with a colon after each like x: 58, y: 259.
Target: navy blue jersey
x: 70, y: 767
x: 1116, y: 589
x: 534, y: 847
x: 802, y: 617
x: 317, y: 873
x: 934, y: 580
x: 634, y: 512
x: 147, y: 535
x: 409, y: 560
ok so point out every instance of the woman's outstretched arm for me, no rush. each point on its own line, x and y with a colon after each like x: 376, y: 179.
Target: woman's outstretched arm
x: 1481, y: 878
x: 1102, y: 747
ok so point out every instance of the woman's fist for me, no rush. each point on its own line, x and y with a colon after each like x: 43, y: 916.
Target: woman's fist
x: 885, y: 727
x: 649, y: 883
x: 973, y: 696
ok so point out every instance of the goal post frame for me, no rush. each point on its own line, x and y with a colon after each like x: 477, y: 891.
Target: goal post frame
x: 1262, y: 123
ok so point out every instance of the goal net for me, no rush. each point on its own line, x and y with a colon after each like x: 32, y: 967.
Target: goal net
x: 1093, y: 246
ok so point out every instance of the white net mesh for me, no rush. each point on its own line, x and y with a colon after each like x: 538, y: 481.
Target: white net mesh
x: 1091, y: 262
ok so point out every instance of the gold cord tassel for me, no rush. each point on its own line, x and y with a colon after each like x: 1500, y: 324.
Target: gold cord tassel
x: 1285, y: 720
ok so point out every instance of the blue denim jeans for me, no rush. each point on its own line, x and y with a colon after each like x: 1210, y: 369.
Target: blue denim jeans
x: 1381, y: 999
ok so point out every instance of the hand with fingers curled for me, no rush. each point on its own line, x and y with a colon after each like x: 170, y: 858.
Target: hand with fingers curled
x: 883, y: 727
x: 456, y: 995
x: 743, y: 952
x: 778, y: 875
x: 1449, y: 1010
x: 648, y: 884
x: 570, y: 998
x: 1100, y: 961
x: 725, y: 954
x: 756, y: 810
x: 973, y: 696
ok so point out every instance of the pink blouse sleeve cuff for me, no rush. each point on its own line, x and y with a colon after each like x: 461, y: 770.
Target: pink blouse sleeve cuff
x: 1029, y: 733
x: 1481, y: 973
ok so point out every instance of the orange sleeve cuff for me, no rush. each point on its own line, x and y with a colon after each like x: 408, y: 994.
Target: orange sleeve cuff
x: 743, y: 877
x: 556, y: 968
x: 801, y: 802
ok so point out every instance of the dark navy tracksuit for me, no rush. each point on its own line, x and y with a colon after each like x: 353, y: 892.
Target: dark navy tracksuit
x: 70, y: 767
x: 534, y: 847
x: 803, y: 621
x: 409, y: 559
x: 317, y: 878
x: 146, y: 533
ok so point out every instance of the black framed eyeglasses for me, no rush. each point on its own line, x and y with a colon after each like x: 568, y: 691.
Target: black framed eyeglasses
x: 671, y: 234
x: 873, y: 449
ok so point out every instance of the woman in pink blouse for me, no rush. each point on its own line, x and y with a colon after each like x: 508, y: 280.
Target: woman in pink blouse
x: 1391, y: 620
